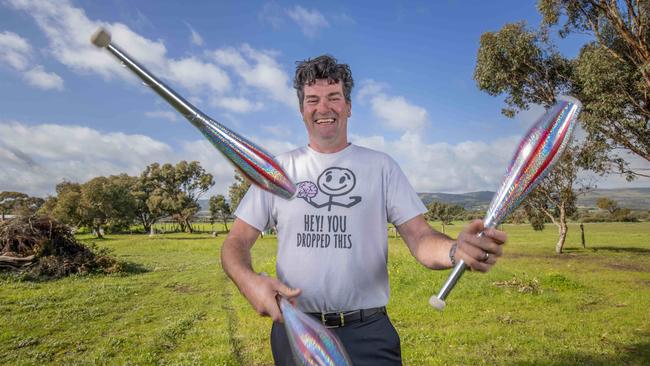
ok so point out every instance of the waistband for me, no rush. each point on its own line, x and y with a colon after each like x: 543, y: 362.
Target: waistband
x: 341, y: 319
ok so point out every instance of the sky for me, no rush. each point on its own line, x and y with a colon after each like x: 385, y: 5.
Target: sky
x: 70, y: 112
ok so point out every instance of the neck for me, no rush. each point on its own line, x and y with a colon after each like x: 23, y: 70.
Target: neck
x: 326, y: 148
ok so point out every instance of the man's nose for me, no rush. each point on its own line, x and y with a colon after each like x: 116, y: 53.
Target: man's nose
x: 323, y: 106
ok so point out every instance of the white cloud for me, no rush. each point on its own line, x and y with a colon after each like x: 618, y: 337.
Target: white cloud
x: 196, y: 75
x: 272, y: 14
x: 442, y: 167
x: 16, y: 52
x: 34, y: 158
x: 43, y: 80
x: 395, y: 112
x: 168, y: 115
x: 237, y: 105
x: 68, y: 31
x: 279, y: 131
x: 195, y: 37
x: 260, y: 70
x: 309, y: 21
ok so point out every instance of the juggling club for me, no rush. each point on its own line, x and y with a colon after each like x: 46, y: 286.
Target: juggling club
x: 252, y: 161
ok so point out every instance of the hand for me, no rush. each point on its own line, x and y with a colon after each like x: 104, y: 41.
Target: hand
x: 480, y: 253
x: 261, y: 292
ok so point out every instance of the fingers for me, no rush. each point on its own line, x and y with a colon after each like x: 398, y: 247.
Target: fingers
x: 498, y: 236
x: 263, y: 296
x: 273, y: 310
x: 285, y: 291
x: 480, y: 247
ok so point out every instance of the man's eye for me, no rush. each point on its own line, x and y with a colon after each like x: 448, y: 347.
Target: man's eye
x: 311, y: 101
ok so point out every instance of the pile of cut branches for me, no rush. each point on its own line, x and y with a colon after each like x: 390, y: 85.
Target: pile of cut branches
x: 40, y: 246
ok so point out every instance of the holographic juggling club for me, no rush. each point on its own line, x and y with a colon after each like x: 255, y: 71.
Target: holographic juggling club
x: 253, y: 162
x: 537, y: 154
x: 311, y: 343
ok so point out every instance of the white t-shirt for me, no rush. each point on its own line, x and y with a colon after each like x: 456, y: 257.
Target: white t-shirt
x: 332, y: 237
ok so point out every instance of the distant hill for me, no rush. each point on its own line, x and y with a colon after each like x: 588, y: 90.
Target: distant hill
x: 470, y: 201
x: 632, y: 198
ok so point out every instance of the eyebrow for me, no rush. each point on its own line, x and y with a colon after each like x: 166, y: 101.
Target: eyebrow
x: 328, y: 95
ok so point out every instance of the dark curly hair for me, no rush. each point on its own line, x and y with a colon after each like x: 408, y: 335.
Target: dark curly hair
x: 322, y: 67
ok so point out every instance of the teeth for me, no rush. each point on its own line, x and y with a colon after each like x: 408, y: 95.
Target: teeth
x: 325, y: 120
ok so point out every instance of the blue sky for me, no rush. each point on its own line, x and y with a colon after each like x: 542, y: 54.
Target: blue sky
x: 69, y: 112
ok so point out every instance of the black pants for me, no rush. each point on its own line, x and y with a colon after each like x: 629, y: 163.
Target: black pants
x: 373, y: 342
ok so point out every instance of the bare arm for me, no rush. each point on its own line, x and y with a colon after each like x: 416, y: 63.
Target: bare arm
x: 431, y: 248
x: 259, y: 290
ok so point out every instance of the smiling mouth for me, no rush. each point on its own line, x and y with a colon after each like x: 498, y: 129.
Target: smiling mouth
x: 325, y: 121
x: 333, y: 189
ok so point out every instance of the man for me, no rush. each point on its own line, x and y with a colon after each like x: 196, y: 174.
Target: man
x: 332, y: 239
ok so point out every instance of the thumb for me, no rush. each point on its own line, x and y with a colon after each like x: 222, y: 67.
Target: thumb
x: 287, y: 291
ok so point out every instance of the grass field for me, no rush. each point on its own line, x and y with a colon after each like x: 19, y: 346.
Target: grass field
x: 176, y: 307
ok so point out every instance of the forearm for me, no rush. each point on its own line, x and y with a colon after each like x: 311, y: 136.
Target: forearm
x: 428, y: 246
x: 236, y: 262
x: 432, y: 250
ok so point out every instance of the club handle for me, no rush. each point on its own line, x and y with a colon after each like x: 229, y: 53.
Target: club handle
x: 438, y: 301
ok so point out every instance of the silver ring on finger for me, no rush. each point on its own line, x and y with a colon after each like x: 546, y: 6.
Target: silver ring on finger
x: 485, y: 257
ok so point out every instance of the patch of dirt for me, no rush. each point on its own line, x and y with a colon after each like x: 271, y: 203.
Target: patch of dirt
x: 633, y: 267
x: 644, y: 282
x: 181, y: 288
x: 584, y: 257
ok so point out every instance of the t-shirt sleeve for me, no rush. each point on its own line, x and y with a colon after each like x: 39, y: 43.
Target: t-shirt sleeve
x: 402, y: 203
x: 255, y: 209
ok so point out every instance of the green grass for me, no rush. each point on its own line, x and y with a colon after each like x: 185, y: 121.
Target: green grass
x: 176, y: 307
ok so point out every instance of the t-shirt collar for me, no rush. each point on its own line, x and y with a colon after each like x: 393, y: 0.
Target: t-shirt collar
x: 337, y: 154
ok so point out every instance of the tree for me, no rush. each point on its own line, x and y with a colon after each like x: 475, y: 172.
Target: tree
x: 616, y: 213
x: 522, y: 65
x: 28, y: 206
x: 219, y: 210
x: 555, y: 198
x: 527, y: 68
x: 147, y: 192
x: 237, y: 190
x: 9, y: 200
x: 610, y: 76
x: 178, y: 189
x: 607, y: 204
x: 65, y: 205
x: 106, y: 202
x: 444, y: 212
x: 193, y: 181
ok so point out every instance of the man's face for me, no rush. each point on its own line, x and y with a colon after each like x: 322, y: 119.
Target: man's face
x: 325, y: 113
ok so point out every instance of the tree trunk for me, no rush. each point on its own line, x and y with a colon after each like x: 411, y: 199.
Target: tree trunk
x: 99, y: 232
x: 152, y: 231
x: 562, y: 229
x: 443, y: 226
x: 225, y: 223
x: 188, y: 226
x: 582, y: 235
x: 15, y: 262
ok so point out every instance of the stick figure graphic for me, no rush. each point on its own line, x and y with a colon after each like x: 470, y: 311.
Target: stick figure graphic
x: 333, y: 182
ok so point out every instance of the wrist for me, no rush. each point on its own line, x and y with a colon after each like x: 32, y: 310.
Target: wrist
x: 452, y: 253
